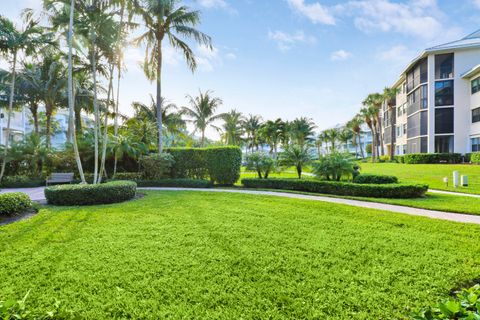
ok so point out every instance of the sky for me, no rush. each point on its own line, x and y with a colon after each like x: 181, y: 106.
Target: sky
x: 296, y: 58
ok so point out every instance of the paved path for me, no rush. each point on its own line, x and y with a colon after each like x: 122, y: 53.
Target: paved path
x: 455, y: 193
x: 36, y: 194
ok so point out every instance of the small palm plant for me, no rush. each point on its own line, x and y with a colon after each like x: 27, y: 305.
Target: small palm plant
x: 297, y: 157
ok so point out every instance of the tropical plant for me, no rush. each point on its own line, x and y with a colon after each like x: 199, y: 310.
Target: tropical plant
x: 390, y: 95
x: 252, y: 126
x: 233, y: 124
x: 345, y: 136
x: 302, y: 131
x: 167, y: 19
x: 271, y: 132
x: 126, y: 145
x: 260, y: 163
x: 332, y: 136
x: 202, y: 112
x: 334, y: 166
x: 355, y: 125
x: 297, y: 157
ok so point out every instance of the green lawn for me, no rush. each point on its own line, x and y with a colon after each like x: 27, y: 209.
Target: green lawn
x: 431, y: 174
x: 229, y: 256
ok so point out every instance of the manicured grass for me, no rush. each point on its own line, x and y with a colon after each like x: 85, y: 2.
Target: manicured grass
x: 431, y: 174
x: 230, y: 256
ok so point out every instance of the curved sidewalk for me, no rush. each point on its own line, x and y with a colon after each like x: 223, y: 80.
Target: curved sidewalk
x: 456, y: 217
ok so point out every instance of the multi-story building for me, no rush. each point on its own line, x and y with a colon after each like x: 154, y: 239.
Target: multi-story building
x: 437, y: 107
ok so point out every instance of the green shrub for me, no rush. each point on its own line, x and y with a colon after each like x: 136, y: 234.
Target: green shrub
x: 111, y: 192
x: 189, y: 163
x: 156, y: 166
x: 128, y: 176
x: 175, y: 183
x: 334, y: 166
x: 394, y: 191
x: 296, y: 156
x: 467, y: 158
x: 261, y: 163
x: 383, y: 159
x: 465, y: 305
x: 400, y: 159
x: 432, y: 158
x: 14, y: 203
x: 375, y: 179
x: 475, y: 158
x: 224, y: 164
x: 369, y: 148
x: 21, y: 182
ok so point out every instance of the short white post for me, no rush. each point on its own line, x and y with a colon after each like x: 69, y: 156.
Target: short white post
x: 464, y: 181
x: 456, y: 177
x: 445, y: 180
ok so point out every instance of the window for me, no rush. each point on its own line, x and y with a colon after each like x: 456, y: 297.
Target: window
x: 417, y: 75
x: 444, y: 93
x: 475, y: 85
x: 405, y: 129
x: 417, y: 145
x: 476, y: 145
x: 404, y: 149
x: 399, y: 131
x: 444, y: 120
x: 444, y: 66
x: 444, y: 144
x: 476, y: 115
x: 417, y: 125
x: 424, y: 97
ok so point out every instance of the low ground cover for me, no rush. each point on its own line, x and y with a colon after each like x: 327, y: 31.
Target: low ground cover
x: 431, y: 174
x: 202, y: 255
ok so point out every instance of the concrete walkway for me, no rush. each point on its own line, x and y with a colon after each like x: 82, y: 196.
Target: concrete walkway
x: 36, y: 194
x: 455, y: 193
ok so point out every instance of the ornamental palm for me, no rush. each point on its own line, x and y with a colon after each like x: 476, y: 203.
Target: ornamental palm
x: 355, y: 125
x: 233, y: 127
x: 30, y: 88
x: 345, y: 136
x: 252, y: 127
x: 14, y: 41
x: 374, y: 101
x: 332, y: 136
x: 302, y: 131
x: 389, y: 95
x: 202, y: 112
x: 297, y: 157
x: 166, y: 18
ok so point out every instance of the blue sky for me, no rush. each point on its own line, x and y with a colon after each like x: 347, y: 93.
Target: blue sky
x: 292, y: 58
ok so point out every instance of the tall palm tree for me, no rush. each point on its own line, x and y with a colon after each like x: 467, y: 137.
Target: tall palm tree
x: 14, y: 41
x: 368, y: 114
x: 332, y: 136
x: 30, y: 88
x: 252, y: 127
x: 375, y: 102
x: 390, y: 95
x: 233, y: 127
x: 355, y: 126
x: 345, y: 136
x: 302, y: 131
x: 166, y: 18
x: 202, y: 112
x: 271, y: 131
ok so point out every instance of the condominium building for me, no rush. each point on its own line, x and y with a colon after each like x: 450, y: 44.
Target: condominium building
x: 437, y: 107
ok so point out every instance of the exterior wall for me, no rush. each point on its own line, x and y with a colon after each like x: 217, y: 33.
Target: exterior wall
x: 401, y: 134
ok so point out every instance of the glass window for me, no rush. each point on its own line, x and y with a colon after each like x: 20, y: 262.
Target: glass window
x: 476, y: 145
x: 444, y: 144
x: 444, y: 120
x: 476, y: 115
x: 405, y: 129
x: 417, y: 125
x: 444, y: 66
x: 417, y: 145
x: 444, y: 93
x: 475, y: 85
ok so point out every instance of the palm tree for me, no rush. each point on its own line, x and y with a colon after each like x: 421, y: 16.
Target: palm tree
x: 296, y: 156
x: 271, y: 132
x: 14, y: 41
x: 375, y: 101
x: 252, y: 127
x: 332, y: 136
x: 165, y: 18
x: 355, y: 125
x: 390, y: 95
x: 345, y: 136
x: 302, y: 131
x: 319, y: 144
x: 126, y: 145
x: 233, y: 127
x: 368, y: 114
x: 30, y: 88
x: 202, y: 112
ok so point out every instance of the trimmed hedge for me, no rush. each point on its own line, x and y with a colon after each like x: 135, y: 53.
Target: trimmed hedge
x: 375, y: 179
x: 221, y: 164
x: 175, y: 183
x: 82, y: 195
x: 432, y: 158
x: 21, y: 182
x: 14, y: 203
x: 127, y: 176
x: 475, y: 158
x: 394, y: 191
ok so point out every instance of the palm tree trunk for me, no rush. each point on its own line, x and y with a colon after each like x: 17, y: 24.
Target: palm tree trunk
x: 96, y: 111
x: 159, y: 97
x: 78, y: 121
x: 392, y: 137
x: 34, y: 111
x: 203, y: 138
x: 48, y: 126
x: 71, y: 100
x: 9, y: 117
x: 105, y: 127
x: 360, y: 144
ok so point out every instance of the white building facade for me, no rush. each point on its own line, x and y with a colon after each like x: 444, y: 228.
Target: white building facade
x: 437, y: 108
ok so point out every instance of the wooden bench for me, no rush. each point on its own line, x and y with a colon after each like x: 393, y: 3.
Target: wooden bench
x: 60, y: 178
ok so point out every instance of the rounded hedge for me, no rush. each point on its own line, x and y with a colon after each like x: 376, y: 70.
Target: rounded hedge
x: 14, y: 203
x: 432, y: 158
x: 475, y: 158
x: 375, y: 179
x: 81, y: 195
x: 393, y: 191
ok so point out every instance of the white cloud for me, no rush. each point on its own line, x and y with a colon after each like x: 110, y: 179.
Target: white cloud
x: 286, y: 41
x: 398, y: 54
x: 213, y: 3
x: 231, y: 56
x: 316, y: 12
x: 340, y: 55
x: 476, y: 3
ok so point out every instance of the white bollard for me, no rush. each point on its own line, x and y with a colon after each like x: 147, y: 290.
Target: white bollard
x: 456, y: 177
x: 464, y: 181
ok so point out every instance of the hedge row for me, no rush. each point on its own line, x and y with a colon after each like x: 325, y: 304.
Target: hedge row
x: 475, y: 158
x: 398, y: 191
x: 14, y: 203
x: 375, y: 179
x: 21, y: 182
x: 432, y: 158
x: 175, y: 183
x: 222, y: 165
x: 81, y: 195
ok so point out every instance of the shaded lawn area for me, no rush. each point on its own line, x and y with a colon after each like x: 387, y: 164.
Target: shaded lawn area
x: 203, y: 255
x: 431, y: 174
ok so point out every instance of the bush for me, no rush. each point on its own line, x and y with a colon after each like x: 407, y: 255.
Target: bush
x: 394, y: 191
x: 156, y: 166
x: 400, y: 159
x: 21, y: 182
x: 465, y: 305
x: 432, y: 158
x: 224, y: 164
x: 475, y: 158
x: 189, y: 163
x: 375, y: 179
x: 334, y: 166
x: 81, y: 195
x: 261, y: 163
x: 296, y: 156
x: 128, y: 176
x: 14, y: 203
x: 175, y: 183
